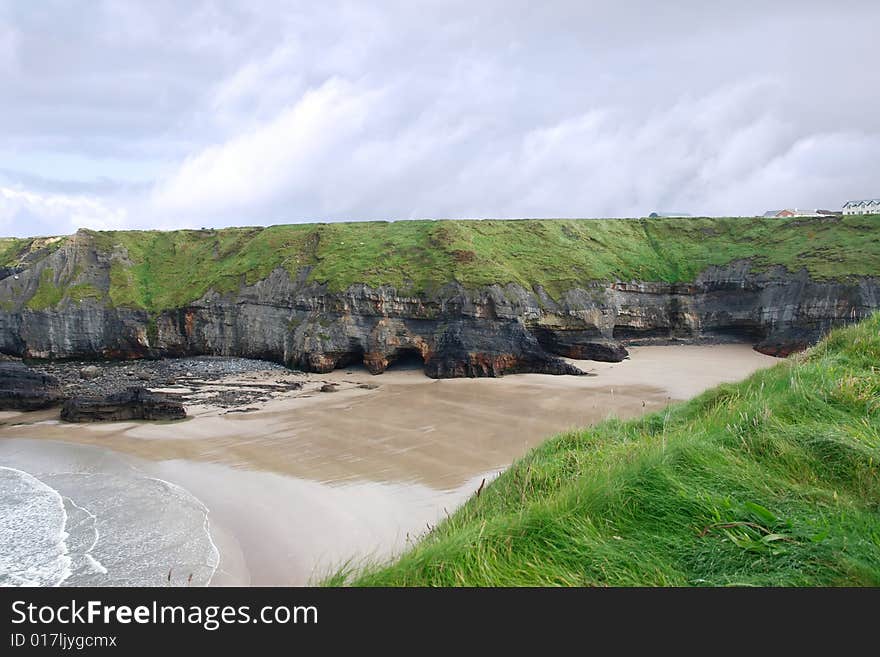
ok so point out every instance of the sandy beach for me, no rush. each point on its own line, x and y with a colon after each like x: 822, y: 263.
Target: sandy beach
x: 307, y: 480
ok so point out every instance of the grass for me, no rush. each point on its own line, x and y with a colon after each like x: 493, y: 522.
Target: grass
x: 84, y: 291
x: 48, y: 293
x: 774, y: 481
x: 159, y: 271
x: 10, y: 250
x: 14, y: 249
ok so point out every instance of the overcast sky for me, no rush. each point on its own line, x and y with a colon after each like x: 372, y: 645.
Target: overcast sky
x: 171, y: 114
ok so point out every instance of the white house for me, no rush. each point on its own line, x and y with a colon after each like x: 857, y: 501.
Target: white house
x: 868, y: 206
x: 794, y: 212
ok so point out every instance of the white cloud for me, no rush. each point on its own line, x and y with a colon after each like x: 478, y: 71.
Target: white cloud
x: 254, y: 168
x: 25, y: 212
x: 330, y: 111
x: 8, y: 49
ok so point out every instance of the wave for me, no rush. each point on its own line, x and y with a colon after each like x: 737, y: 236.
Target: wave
x: 33, y: 522
x: 213, y: 558
x: 102, y: 529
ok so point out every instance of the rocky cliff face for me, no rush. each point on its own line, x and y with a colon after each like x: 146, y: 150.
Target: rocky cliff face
x: 454, y: 331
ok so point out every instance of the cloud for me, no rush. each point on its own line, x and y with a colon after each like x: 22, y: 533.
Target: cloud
x: 232, y: 113
x: 8, y: 49
x: 252, y: 169
x: 25, y: 212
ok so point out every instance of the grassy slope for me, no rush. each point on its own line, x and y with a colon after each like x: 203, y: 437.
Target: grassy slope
x: 772, y: 481
x: 169, y: 269
x: 14, y: 249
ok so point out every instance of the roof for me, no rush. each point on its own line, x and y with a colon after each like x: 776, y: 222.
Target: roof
x: 857, y: 204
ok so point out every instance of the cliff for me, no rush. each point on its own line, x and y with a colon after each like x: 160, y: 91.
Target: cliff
x: 479, y: 298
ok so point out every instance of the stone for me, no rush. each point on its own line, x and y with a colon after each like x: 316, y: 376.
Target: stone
x: 580, y: 344
x: 90, y: 372
x: 23, y: 389
x: 134, y: 403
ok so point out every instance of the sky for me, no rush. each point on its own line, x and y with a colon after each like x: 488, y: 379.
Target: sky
x: 167, y: 114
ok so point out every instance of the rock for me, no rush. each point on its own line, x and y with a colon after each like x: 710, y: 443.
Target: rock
x: 22, y: 389
x: 581, y: 345
x: 90, y: 372
x: 144, y: 376
x: 472, y: 349
x: 132, y: 404
x: 6, y: 272
x: 329, y: 387
x: 451, y: 330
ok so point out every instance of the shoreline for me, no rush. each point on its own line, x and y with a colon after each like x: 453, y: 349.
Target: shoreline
x: 311, y: 479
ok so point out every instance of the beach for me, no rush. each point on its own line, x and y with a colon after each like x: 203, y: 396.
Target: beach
x: 306, y: 481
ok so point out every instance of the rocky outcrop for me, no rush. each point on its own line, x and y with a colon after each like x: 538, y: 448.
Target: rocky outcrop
x: 132, y: 404
x: 452, y: 331
x: 22, y: 389
x: 473, y: 349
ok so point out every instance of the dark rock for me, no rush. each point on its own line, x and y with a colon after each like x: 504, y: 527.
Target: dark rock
x: 473, y: 349
x: 131, y: 404
x: 22, y: 389
x: 329, y: 387
x: 781, y: 347
x: 580, y: 345
x: 6, y: 272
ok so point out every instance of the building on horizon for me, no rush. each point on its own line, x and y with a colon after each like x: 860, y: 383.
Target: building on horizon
x: 866, y: 206
x: 794, y: 212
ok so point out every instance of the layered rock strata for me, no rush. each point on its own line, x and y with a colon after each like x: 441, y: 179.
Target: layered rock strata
x: 22, y: 389
x: 453, y: 331
x: 134, y: 403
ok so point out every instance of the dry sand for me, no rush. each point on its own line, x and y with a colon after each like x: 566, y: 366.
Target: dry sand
x: 311, y: 479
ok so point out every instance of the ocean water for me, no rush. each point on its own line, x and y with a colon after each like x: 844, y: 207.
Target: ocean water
x: 101, y: 529
x: 33, y: 532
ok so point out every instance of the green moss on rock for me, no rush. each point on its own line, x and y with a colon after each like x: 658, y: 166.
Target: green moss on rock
x: 48, y: 294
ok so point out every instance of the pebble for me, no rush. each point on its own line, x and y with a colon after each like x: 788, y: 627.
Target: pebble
x: 104, y: 378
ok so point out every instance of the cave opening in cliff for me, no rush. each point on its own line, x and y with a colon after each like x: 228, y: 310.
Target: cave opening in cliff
x: 407, y: 359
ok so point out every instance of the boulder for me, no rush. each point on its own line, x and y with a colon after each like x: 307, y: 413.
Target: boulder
x: 135, y: 403
x: 473, y: 349
x: 23, y: 389
x: 90, y: 372
x: 580, y: 345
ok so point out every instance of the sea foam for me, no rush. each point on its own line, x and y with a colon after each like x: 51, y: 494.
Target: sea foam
x: 102, y: 529
x: 33, y: 522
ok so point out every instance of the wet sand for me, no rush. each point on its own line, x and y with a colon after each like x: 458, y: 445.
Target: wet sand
x: 311, y: 479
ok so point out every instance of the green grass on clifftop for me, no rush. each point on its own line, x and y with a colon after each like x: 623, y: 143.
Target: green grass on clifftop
x: 773, y: 481
x: 164, y: 270
x: 13, y: 250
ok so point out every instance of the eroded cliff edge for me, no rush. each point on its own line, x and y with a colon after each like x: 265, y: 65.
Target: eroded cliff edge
x: 57, y: 301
